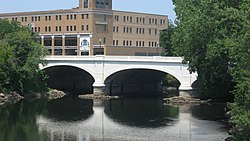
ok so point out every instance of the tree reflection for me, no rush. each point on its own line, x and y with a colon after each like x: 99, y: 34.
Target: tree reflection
x: 142, y: 113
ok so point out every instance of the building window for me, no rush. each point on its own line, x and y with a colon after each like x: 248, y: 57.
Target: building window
x: 127, y: 29
x: 137, y: 30
x: 130, y: 43
x: 67, y: 17
x: 143, y: 20
x: 87, y: 16
x: 105, y: 17
x: 127, y: 43
x: 56, y: 17
x: 155, y: 31
x: 36, y: 18
x: 131, y: 19
x: 113, y: 42
x: 149, y: 31
x: 105, y: 28
x: 67, y: 28
x: 25, y: 19
x: 124, y: 29
x: 60, y: 17
x: 136, y: 43
x: 71, y: 28
x: 71, y: 17
x: 82, y: 27
x: 117, y: 18
x: 155, y: 21
x: 143, y: 31
x: 104, y: 40
x: 82, y: 16
x: 32, y: 19
x: 49, y: 18
x: 131, y: 30
x: 137, y: 20
x: 149, y: 20
x: 124, y: 42
x: 49, y: 28
x: 74, y: 28
x: 102, y: 4
x: 56, y: 28
x: 60, y: 28
x: 143, y: 43
x: 117, y: 29
x: 46, y: 29
x: 87, y: 27
x: 86, y: 4
x: 39, y: 29
x: 75, y: 16
x: 117, y: 42
x: 149, y: 44
x: 114, y: 29
x: 22, y: 19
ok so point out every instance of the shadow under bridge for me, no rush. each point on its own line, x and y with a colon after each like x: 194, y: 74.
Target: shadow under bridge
x: 69, y: 79
x: 135, y: 82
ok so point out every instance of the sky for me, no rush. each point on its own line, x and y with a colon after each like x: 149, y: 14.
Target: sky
x: 163, y: 7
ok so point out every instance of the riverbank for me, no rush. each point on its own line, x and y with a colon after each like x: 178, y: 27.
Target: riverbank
x: 15, y: 97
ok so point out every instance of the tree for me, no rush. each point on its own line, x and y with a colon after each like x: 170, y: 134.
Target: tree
x: 165, y: 39
x: 206, y: 33
x: 240, y: 109
x: 214, y: 36
x: 20, y: 55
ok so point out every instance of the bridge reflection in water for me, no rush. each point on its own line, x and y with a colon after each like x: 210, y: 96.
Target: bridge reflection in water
x: 125, y: 119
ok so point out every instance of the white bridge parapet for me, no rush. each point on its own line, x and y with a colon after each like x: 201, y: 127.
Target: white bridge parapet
x: 101, y: 67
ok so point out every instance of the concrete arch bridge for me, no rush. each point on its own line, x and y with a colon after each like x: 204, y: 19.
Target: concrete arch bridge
x: 115, y: 74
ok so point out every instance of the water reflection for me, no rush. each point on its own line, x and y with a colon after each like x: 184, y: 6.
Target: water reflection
x: 70, y: 108
x: 146, y: 113
x: 73, y: 119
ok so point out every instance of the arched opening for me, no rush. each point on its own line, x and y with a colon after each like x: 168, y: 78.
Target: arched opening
x: 69, y: 79
x: 135, y: 82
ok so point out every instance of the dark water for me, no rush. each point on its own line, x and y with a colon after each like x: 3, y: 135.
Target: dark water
x: 74, y: 119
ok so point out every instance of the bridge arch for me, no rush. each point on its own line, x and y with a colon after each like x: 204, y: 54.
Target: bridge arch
x: 111, y: 72
x: 135, y: 81
x: 69, y: 78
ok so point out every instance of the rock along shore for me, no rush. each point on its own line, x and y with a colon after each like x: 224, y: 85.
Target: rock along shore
x: 15, y: 97
x: 185, y: 100
x: 94, y: 96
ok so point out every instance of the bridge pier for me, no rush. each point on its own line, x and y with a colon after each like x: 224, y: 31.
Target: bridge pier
x: 98, y: 89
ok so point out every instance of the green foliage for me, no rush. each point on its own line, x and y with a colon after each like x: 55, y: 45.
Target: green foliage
x: 241, y: 73
x: 165, y: 39
x: 214, y: 36
x: 20, y: 56
x: 171, y: 81
x: 206, y: 33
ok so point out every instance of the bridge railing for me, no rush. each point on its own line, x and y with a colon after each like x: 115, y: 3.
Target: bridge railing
x: 117, y: 58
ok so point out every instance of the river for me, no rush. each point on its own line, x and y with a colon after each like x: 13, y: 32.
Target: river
x: 127, y: 119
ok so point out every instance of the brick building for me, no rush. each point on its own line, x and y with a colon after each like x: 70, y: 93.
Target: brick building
x: 94, y: 28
